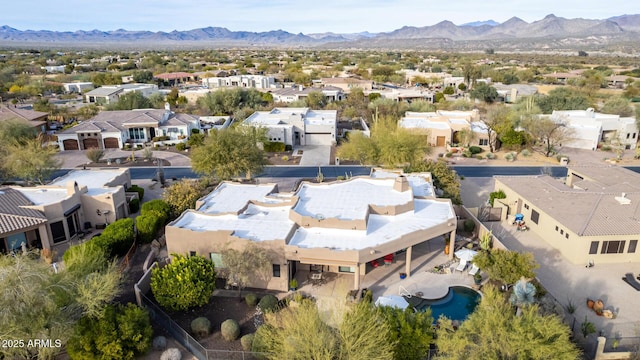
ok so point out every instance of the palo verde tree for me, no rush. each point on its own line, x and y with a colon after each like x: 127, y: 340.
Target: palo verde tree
x: 493, y: 331
x: 444, y: 178
x: 243, y: 266
x: 32, y: 160
x: 230, y: 153
x: 411, y: 331
x: 184, y: 283
x: 506, y: 266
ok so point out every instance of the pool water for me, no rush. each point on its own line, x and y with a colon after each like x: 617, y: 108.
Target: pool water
x: 456, y: 305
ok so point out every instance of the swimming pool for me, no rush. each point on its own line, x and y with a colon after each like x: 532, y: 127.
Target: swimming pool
x: 459, y: 302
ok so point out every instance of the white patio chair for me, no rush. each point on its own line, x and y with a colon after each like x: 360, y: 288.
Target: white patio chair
x: 462, y: 265
x: 474, y: 269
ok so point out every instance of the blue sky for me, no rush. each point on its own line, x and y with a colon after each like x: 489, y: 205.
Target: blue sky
x: 340, y: 16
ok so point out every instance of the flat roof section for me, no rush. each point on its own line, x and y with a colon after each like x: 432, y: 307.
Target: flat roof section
x: 92, y: 179
x: 348, y: 200
x: 418, y: 182
x: 230, y: 198
x: 256, y: 223
x: 44, y: 196
x: 381, y: 229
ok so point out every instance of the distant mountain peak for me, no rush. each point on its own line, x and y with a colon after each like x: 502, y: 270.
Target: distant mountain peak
x: 482, y: 23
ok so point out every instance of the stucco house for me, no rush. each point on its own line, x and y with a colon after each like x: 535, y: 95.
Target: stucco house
x: 346, y: 84
x: 109, y: 94
x: 35, y: 119
x: 242, y: 81
x: 50, y: 216
x: 334, y: 227
x: 590, y: 216
x: 289, y: 95
x: 442, y: 126
x: 77, y: 87
x: 591, y: 128
x: 297, y: 126
x: 113, y: 129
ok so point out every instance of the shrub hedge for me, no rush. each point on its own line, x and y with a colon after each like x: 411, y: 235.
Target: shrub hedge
x: 138, y: 189
x: 270, y: 146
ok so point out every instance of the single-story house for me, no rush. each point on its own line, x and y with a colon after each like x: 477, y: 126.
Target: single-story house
x: 243, y: 81
x: 49, y: 216
x: 109, y: 94
x: 113, y: 129
x: 289, y: 95
x: 176, y: 78
x: 77, y: 87
x: 443, y: 126
x: 590, y: 216
x: 591, y: 128
x: 346, y: 84
x: 36, y: 119
x: 297, y: 126
x: 335, y: 227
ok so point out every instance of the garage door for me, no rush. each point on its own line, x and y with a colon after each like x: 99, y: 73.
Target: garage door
x: 111, y: 143
x: 70, y: 144
x: 90, y: 143
x: 318, y: 139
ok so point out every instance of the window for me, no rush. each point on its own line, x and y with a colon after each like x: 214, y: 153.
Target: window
x: 72, y: 224
x: 136, y: 133
x: 566, y: 235
x: 483, y: 142
x: 346, y: 269
x: 632, y: 246
x: 634, y: 135
x: 192, y: 253
x: 561, y: 232
x: 535, y: 217
x: 628, y: 135
x: 526, y: 206
x: 57, y: 232
x: 594, y: 247
x: 556, y: 227
x: 612, y: 247
x: 217, y: 260
x: 276, y: 270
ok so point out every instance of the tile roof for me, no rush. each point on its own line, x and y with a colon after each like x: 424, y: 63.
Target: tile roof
x: 116, y: 121
x: 591, y: 212
x: 15, y: 213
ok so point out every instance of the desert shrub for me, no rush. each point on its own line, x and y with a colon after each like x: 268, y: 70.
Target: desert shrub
x: 268, y: 303
x: 138, y: 189
x: 161, y: 207
x: 469, y: 225
x: 509, y: 157
x: 182, y: 195
x: 466, y: 153
x: 117, y: 237
x: 605, y: 148
x: 195, y: 131
x: 270, y: 146
x: 94, y: 155
x: 247, y: 342
x: 134, y: 206
x: 184, y: 283
x: 159, y: 343
x: 195, y: 139
x: 285, y: 158
x: 171, y: 354
x: 160, y: 138
x: 475, y: 149
x: 77, y: 255
x: 251, y: 299
x: 121, y: 332
x: 201, y: 327
x: 148, y: 226
x: 479, y: 157
x: 449, y: 154
x: 496, y: 195
x: 230, y: 329
x: 525, y: 152
x: 491, y: 156
x: 181, y: 146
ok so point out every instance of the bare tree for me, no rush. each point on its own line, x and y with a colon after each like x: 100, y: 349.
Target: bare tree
x: 548, y: 133
x: 241, y: 266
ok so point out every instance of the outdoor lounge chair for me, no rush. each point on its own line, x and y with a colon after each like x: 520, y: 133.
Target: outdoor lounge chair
x: 462, y: 265
x: 474, y: 269
x: 629, y: 279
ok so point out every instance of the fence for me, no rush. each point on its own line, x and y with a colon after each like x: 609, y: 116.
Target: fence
x: 127, y: 258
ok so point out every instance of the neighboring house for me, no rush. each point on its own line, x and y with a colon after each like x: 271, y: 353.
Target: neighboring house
x: 243, y: 81
x: 442, y: 126
x: 591, y: 128
x: 335, y: 227
x: 346, y: 84
x: 408, y: 95
x: 54, y: 68
x: 113, y: 129
x: 297, y: 126
x: 176, y: 78
x: 562, y: 77
x: 592, y: 216
x: 214, y: 123
x: 109, y: 94
x: 77, y: 87
x: 511, y: 93
x: 49, y: 216
x: 289, y: 95
x: 453, y: 81
x: 36, y: 119
x: 618, y: 81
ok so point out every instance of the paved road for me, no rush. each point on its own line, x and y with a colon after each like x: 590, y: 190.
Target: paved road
x: 335, y: 171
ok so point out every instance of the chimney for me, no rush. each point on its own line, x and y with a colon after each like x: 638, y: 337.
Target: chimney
x: 301, y: 87
x: 401, y: 184
x: 72, y: 188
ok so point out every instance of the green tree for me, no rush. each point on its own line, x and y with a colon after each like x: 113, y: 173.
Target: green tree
x: 182, y: 195
x: 143, y: 76
x: 617, y: 105
x: 184, y: 283
x: 444, y: 178
x: 121, y: 332
x: 563, y: 98
x: 316, y: 100
x: 506, y: 266
x: 129, y: 101
x: 411, y: 331
x: 484, y: 92
x: 493, y: 331
x: 449, y: 90
x: 230, y: 153
x: 365, y: 334
x: 243, y: 266
x: 32, y: 160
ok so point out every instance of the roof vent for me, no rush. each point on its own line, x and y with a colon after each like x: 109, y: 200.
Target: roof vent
x: 623, y: 200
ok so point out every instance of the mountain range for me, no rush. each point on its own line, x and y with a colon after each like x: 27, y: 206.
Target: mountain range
x: 550, y: 29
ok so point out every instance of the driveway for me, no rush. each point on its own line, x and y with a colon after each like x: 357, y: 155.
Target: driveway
x: 75, y: 158
x: 315, y: 155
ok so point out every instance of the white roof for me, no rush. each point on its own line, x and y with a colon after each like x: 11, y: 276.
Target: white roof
x: 381, y: 229
x: 422, y: 123
x: 101, y: 191
x: 256, y: 223
x: 479, y: 127
x: 348, y: 200
x: 281, y: 116
x: 90, y: 178
x: 43, y: 196
x: 230, y: 198
x: 418, y: 182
